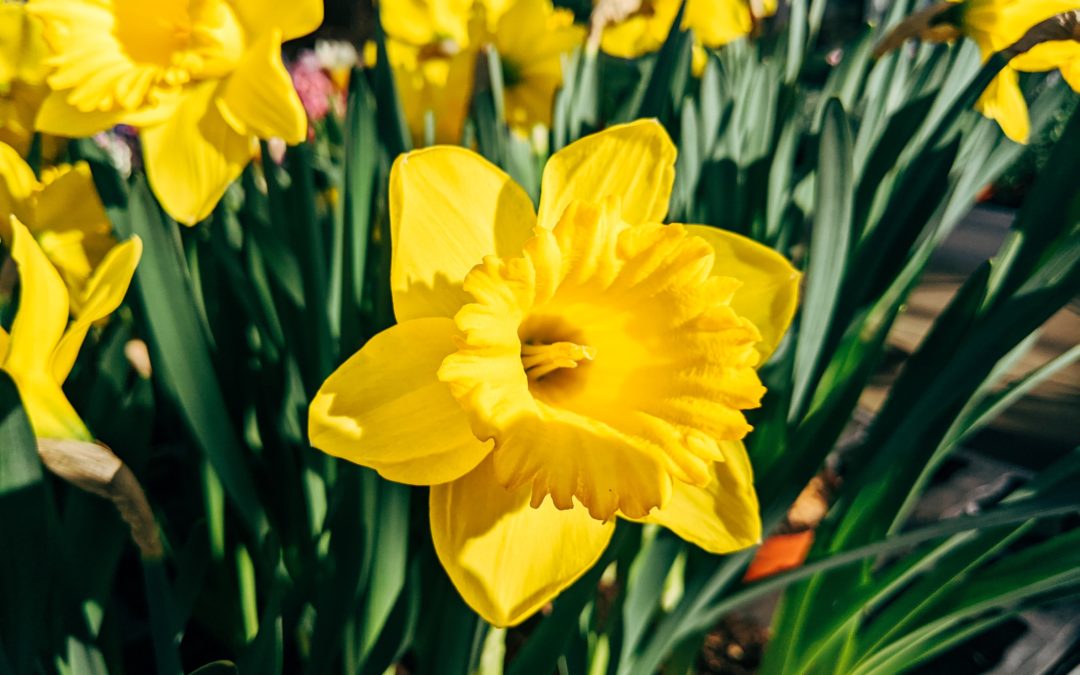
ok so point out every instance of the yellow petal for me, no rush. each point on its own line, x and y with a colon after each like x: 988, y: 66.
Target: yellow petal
x: 506, y: 558
x: 50, y: 413
x: 17, y: 184
x: 43, y: 306
x: 72, y: 226
x: 259, y: 97
x: 22, y: 47
x: 385, y: 409
x: 1047, y: 56
x: 718, y: 22
x: 449, y: 208
x: 420, y: 22
x: 59, y: 118
x: 770, y: 285
x: 103, y: 294
x: 634, y: 162
x: 641, y: 32
x: 39, y: 323
x: 722, y: 516
x: 295, y: 18
x: 193, y: 157
x: 1004, y: 102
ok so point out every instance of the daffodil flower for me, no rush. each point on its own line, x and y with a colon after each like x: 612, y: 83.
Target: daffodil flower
x: 22, y: 74
x: 433, y: 47
x: 552, y: 370
x: 532, y: 37
x: 714, y: 23
x: 434, y: 85
x: 201, y: 81
x: 995, y: 25
x: 42, y: 346
x: 62, y: 211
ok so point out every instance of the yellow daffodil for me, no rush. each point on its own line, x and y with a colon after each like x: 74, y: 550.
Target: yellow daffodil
x: 202, y: 81
x: 554, y: 369
x: 532, y: 37
x: 434, y: 85
x: 432, y: 47
x: 22, y: 75
x: 42, y: 345
x: 62, y: 211
x: 644, y: 29
x: 426, y: 22
x: 995, y: 25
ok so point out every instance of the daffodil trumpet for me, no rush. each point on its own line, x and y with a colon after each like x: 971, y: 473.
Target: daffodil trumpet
x: 553, y: 370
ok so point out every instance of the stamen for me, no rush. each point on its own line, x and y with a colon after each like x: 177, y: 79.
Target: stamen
x: 541, y: 360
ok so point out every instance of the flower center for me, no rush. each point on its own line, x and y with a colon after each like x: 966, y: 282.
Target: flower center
x: 540, y: 360
x: 605, y: 362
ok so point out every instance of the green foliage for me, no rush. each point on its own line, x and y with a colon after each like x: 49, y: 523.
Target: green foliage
x: 282, y: 559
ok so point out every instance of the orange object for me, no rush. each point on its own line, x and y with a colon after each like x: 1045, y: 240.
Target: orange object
x: 780, y: 553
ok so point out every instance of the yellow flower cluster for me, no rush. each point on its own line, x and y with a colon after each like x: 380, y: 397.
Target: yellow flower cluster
x: 713, y: 22
x: 433, y: 46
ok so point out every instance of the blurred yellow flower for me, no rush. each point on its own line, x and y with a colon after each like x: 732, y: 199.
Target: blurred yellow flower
x: 434, y: 84
x: 42, y: 345
x: 714, y: 23
x: 433, y: 47
x: 62, y: 211
x: 532, y: 37
x: 202, y: 81
x: 22, y: 75
x: 997, y: 24
x: 432, y: 50
x: 552, y: 370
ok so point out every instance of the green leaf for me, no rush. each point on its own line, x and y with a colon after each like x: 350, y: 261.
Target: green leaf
x: 392, y: 129
x: 548, y: 642
x: 164, y: 630
x: 645, y: 587
x: 664, y: 83
x: 216, y: 668
x: 830, y: 240
x: 24, y: 550
x: 386, y: 536
x: 180, y: 352
x: 1045, y: 215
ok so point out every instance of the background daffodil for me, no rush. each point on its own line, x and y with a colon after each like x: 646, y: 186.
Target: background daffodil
x: 22, y: 74
x: 202, y: 81
x: 62, y: 211
x: 554, y: 369
x: 433, y: 46
x: 995, y: 25
x: 42, y: 346
x: 714, y: 23
x: 532, y: 37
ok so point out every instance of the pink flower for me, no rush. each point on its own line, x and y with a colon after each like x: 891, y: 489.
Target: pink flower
x: 316, y: 90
